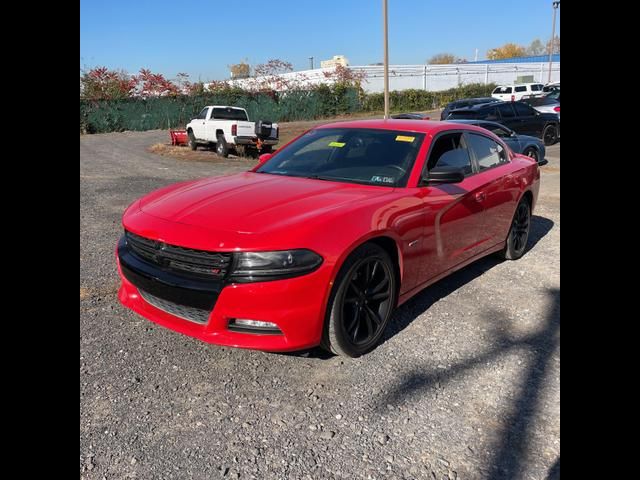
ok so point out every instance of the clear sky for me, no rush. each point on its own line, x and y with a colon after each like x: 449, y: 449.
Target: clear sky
x: 202, y: 37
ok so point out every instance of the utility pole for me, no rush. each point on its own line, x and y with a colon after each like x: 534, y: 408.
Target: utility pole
x: 311, y: 63
x: 555, y: 4
x: 386, y: 60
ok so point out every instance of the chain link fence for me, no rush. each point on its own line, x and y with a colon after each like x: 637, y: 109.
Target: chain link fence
x: 100, y: 116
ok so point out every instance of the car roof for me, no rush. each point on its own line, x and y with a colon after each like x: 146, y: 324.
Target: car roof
x: 474, y: 101
x: 479, y: 106
x: 473, y: 121
x: 427, y: 126
x: 223, y: 106
x: 519, y: 84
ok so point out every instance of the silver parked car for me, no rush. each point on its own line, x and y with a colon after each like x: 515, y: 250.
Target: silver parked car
x: 548, y: 104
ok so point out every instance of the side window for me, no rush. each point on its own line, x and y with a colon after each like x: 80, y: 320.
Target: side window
x: 492, y: 114
x: 449, y: 150
x: 498, y: 130
x: 502, y: 90
x: 523, y: 110
x: 536, y: 87
x: 488, y: 153
x: 521, y: 89
x: 203, y: 114
x: 506, y: 110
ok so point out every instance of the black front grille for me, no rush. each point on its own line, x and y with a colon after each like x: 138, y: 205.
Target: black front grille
x: 179, y: 259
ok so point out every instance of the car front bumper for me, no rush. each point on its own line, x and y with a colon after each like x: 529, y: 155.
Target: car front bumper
x: 295, y: 305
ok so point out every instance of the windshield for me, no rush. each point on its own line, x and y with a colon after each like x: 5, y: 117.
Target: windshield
x: 367, y: 156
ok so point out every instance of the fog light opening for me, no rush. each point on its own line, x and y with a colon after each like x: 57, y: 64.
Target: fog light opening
x: 245, y: 325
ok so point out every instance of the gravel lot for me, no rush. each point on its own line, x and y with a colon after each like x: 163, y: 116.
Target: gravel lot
x: 466, y: 384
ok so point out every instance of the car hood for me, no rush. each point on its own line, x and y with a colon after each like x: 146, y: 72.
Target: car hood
x: 251, y: 202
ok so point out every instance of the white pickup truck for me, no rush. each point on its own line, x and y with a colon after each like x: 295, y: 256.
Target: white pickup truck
x: 230, y: 129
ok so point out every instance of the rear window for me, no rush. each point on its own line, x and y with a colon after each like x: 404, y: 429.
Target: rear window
x: 521, y: 89
x: 536, y: 87
x: 229, y: 114
x: 502, y: 90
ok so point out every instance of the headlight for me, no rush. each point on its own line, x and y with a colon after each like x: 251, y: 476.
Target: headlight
x: 265, y: 266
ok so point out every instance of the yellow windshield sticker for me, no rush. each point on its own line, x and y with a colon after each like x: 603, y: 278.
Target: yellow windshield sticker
x: 337, y: 144
x: 402, y: 138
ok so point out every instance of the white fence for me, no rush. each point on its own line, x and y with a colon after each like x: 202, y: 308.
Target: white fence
x: 428, y: 77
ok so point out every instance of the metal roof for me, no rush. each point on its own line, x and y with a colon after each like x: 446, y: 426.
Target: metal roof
x: 531, y: 59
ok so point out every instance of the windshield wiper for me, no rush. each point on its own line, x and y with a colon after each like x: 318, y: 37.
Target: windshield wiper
x: 348, y: 180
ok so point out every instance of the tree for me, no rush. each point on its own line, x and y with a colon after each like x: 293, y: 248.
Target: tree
x: 240, y: 70
x: 344, y: 76
x: 186, y: 87
x: 442, y: 59
x: 556, y: 45
x: 536, y: 48
x: 149, y: 84
x: 274, y: 66
x: 508, y: 50
x: 101, y: 83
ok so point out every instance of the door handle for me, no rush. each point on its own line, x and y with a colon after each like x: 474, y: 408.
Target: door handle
x: 480, y: 196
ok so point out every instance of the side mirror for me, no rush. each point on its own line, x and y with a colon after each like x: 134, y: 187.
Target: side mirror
x: 442, y: 175
x: 265, y: 157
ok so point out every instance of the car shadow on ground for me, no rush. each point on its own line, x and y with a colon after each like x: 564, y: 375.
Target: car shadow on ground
x: 511, y: 447
x: 420, y: 303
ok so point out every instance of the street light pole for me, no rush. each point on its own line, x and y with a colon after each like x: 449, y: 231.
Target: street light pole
x: 555, y: 4
x: 386, y: 60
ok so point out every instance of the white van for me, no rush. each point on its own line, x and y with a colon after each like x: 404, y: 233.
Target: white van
x: 514, y: 93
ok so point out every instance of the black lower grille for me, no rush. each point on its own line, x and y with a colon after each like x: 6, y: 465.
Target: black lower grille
x: 198, y: 263
x: 192, y: 314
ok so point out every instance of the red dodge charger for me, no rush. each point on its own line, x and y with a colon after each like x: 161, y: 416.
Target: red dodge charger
x: 320, y: 241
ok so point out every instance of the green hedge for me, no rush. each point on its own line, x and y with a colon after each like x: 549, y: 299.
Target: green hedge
x: 100, y: 116
x: 412, y: 99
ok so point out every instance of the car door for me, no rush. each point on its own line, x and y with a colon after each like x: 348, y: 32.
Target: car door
x: 528, y: 119
x: 508, y: 116
x: 453, y: 214
x: 497, y: 183
x: 198, y: 123
x: 211, y: 126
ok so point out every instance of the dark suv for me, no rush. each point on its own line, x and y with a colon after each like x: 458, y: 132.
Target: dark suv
x: 517, y: 116
x: 465, y: 102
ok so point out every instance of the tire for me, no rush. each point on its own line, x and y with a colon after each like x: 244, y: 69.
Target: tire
x: 222, y: 148
x: 533, y: 153
x: 519, y: 232
x: 361, y: 302
x: 192, y: 140
x: 550, y: 134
